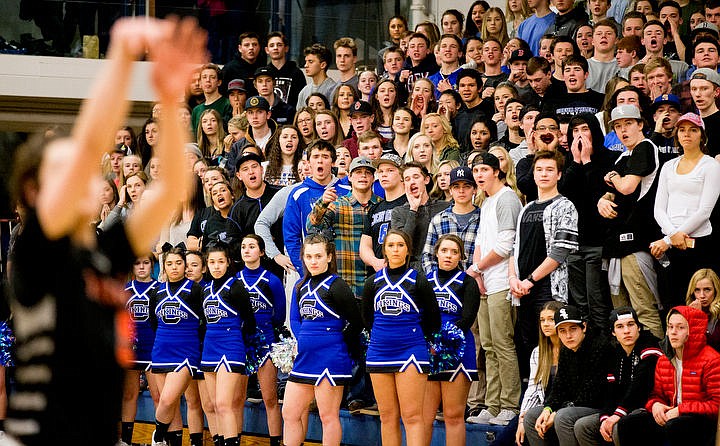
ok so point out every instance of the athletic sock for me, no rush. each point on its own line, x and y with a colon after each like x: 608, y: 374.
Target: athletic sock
x: 196, y: 439
x: 161, y: 430
x: 234, y: 441
x: 126, y: 432
x: 218, y: 440
x: 174, y: 438
x: 275, y: 440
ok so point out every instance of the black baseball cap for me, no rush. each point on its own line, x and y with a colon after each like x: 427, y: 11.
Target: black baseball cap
x: 568, y: 314
x: 361, y: 107
x: 263, y: 71
x: 487, y: 159
x: 520, y: 54
x: 621, y: 313
x: 248, y: 156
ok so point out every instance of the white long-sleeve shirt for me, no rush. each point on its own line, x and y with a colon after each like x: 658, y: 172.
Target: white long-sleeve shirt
x: 535, y: 393
x: 685, y: 202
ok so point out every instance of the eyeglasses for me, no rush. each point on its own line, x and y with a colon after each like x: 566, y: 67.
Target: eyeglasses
x: 552, y: 128
x: 304, y: 120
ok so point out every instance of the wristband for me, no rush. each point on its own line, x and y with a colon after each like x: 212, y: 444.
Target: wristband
x: 548, y: 408
x: 475, y: 268
x: 666, y: 239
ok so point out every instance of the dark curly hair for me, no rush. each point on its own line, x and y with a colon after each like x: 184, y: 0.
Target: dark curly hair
x: 274, y: 156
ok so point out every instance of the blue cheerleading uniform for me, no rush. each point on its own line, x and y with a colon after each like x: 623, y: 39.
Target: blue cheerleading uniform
x: 138, y: 305
x: 267, y: 297
x: 199, y: 375
x: 228, y: 314
x: 400, y: 306
x: 178, y: 312
x: 458, y: 298
x: 319, y: 312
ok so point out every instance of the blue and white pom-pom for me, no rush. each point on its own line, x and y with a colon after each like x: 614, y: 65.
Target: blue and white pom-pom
x: 448, y: 345
x: 257, y: 348
x: 283, y: 352
x: 7, y: 345
x: 357, y: 348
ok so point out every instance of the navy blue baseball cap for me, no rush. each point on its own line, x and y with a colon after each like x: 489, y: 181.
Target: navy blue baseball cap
x: 462, y: 173
x: 257, y: 102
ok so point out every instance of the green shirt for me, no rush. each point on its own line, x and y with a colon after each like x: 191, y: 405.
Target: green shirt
x: 221, y: 105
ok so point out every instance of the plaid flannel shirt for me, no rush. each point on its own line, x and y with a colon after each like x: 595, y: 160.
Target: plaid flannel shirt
x: 344, y: 220
x: 446, y: 223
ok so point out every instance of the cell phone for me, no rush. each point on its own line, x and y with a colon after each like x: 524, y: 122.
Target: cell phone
x: 689, y: 242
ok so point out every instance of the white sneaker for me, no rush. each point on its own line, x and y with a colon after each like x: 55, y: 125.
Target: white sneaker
x: 157, y: 443
x: 503, y: 418
x: 482, y: 418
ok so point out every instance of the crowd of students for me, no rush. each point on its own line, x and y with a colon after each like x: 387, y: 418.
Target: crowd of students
x: 478, y: 187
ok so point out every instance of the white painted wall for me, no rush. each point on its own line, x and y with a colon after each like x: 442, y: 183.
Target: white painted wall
x: 62, y: 77
x: 36, y: 91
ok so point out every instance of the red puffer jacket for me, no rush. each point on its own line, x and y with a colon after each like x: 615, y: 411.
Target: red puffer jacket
x: 700, y: 374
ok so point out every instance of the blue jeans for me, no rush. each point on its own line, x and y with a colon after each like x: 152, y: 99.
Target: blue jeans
x: 360, y: 386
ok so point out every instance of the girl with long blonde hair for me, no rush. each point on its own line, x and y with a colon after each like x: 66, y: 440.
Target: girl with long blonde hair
x: 211, y: 134
x: 494, y: 26
x: 702, y: 293
x: 438, y: 128
x: 422, y: 150
x: 517, y: 11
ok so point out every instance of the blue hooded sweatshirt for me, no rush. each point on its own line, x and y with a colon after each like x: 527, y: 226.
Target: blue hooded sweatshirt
x: 297, y: 210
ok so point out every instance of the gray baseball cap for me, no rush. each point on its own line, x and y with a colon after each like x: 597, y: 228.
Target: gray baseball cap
x: 706, y: 74
x: 624, y: 112
x: 362, y: 161
x: 389, y: 158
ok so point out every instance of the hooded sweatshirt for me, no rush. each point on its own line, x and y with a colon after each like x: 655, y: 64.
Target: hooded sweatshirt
x: 289, y: 80
x: 298, y: 208
x: 584, y: 184
x: 700, y: 382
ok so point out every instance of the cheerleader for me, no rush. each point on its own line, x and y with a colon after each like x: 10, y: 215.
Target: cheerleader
x: 321, y: 305
x: 399, y: 304
x: 458, y: 297
x: 267, y: 296
x: 196, y: 267
x: 229, y: 316
x: 176, y: 353
x: 138, y: 305
x: 197, y: 396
